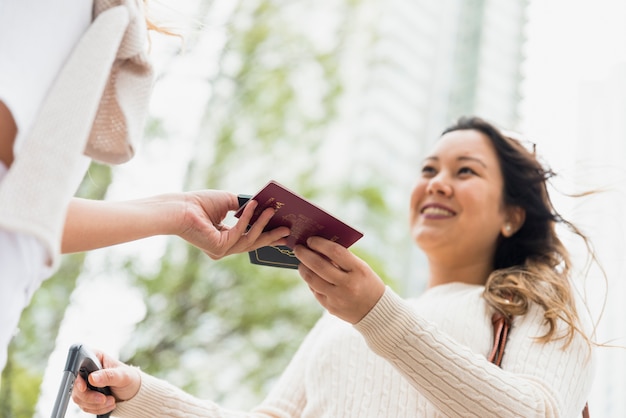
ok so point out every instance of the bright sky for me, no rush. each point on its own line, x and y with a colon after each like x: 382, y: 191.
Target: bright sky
x: 570, y: 41
x: 573, y: 42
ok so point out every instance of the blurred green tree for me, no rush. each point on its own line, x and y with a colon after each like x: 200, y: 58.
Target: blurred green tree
x: 224, y: 330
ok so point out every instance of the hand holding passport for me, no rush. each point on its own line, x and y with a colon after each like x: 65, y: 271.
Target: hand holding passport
x: 302, y: 217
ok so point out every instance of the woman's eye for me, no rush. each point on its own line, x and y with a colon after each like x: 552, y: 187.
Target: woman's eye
x: 428, y: 170
x: 466, y: 170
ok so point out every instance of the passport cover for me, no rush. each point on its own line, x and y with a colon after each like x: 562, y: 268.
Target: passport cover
x: 302, y: 217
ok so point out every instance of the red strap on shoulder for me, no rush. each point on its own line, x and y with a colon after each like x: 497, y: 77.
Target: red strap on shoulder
x: 501, y: 327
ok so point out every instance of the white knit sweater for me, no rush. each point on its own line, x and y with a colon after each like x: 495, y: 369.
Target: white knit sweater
x: 420, y: 358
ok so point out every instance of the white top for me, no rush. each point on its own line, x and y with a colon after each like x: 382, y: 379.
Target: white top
x: 424, y: 357
x: 22, y: 269
x: 36, y: 37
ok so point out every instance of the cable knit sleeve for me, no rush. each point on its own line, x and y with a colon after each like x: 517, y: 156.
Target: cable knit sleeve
x: 536, y: 380
x: 157, y: 398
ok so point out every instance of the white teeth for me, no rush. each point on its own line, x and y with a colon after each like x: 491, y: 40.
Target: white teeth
x: 433, y: 210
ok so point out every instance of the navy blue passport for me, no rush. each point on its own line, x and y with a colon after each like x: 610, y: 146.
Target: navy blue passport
x: 303, y: 218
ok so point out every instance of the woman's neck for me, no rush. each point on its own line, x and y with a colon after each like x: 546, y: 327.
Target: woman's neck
x: 448, y: 272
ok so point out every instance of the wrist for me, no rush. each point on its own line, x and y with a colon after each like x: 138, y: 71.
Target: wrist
x: 135, y: 386
x: 166, y: 214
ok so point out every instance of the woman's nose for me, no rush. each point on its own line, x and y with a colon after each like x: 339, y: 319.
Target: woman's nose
x: 439, y: 185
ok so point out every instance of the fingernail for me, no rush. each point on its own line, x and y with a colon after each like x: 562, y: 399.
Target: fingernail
x: 96, y: 378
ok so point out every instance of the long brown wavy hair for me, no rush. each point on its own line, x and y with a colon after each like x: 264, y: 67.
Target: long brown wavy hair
x: 533, y: 265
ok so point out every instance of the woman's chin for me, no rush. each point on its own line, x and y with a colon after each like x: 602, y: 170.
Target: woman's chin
x: 428, y: 240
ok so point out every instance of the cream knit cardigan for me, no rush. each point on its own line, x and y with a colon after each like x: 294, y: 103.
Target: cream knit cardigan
x: 96, y: 107
x: 424, y: 357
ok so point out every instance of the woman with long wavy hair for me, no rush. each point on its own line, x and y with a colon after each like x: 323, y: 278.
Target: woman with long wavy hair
x: 481, y: 213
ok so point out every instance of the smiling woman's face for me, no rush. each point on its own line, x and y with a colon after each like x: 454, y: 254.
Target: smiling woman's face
x: 457, y: 208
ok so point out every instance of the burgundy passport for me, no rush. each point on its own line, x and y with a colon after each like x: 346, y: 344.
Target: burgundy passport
x: 302, y: 217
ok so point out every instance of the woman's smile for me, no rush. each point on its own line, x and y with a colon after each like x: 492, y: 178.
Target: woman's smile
x: 436, y: 211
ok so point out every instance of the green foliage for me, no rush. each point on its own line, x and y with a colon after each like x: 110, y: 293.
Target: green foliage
x: 21, y: 394
x: 261, y: 104
x: 225, y: 329
x: 222, y: 312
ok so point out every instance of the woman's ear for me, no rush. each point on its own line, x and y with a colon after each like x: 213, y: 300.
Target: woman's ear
x: 515, y: 217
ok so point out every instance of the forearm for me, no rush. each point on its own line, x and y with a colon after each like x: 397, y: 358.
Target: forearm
x: 8, y: 130
x: 157, y: 398
x: 92, y: 224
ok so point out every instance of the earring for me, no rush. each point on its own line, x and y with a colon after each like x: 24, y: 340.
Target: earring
x: 507, y: 229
